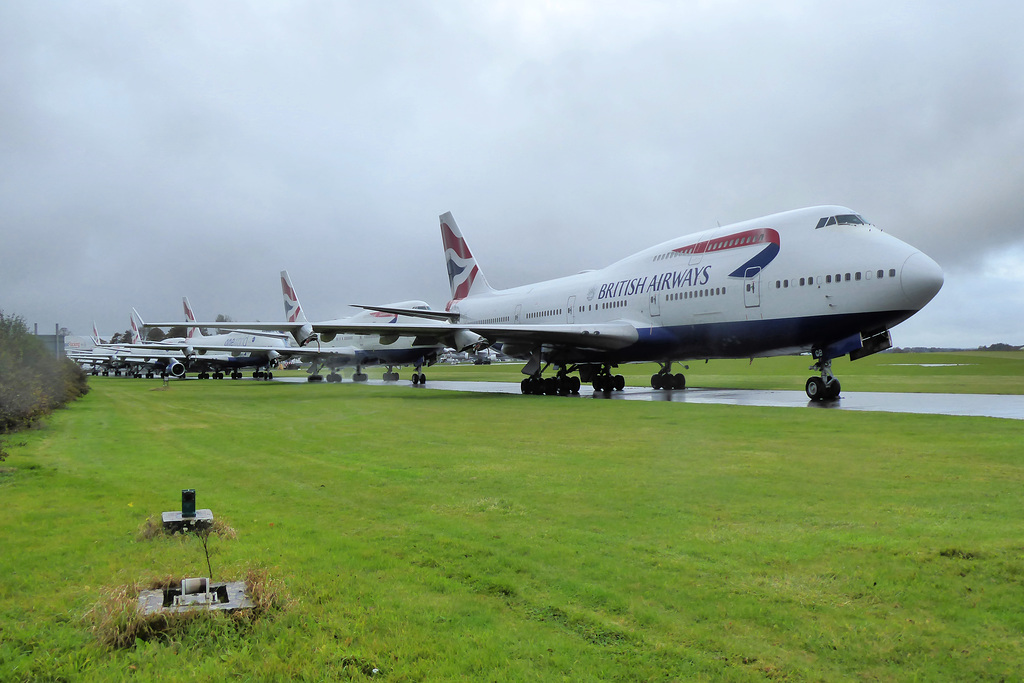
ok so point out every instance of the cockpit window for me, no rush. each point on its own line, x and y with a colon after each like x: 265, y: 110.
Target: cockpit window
x: 844, y: 219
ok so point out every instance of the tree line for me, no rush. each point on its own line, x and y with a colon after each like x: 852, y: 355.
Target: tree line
x: 33, y: 381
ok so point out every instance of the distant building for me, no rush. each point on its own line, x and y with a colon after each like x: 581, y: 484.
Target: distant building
x: 54, y: 342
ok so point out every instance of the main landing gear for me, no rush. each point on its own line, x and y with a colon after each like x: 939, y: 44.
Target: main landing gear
x: 664, y: 379
x: 605, y: 381
x: 823, y: 388
x: 561, y: 384
x: 390, y: 375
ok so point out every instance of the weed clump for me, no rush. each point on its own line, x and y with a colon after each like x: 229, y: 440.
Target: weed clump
x: 118, y: 622
x: 266, y: 592
x: 153, y: 527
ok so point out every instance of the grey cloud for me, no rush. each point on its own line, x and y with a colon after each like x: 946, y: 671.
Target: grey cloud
x: 162, y: 149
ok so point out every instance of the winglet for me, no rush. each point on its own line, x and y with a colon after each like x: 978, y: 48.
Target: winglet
x: 464, y: 275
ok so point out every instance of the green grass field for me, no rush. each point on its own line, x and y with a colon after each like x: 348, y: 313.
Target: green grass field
x: 445, y: 536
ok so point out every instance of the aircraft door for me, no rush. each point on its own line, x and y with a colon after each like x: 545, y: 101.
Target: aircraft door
x: 570, y: 310
x: 518, y: 314
x: 655, y: 305
x: 752, y: 287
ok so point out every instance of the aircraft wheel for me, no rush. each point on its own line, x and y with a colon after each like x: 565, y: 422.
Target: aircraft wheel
x: 524, y: 386
x: 574, y: 385
x: 655, y: 381
x: 620, y: 382
x: 832, y: 390
x: 679, y: 381
x: 270, y: 375
x: 815, y: 388
x: 423, y: 379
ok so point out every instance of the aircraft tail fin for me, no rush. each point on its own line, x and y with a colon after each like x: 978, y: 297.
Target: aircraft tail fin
x: 303, y: 334
x: 95, y: 334
x: 292, y: 308
x: 136, y: 337
x: 190, y: 316
x: 464, y: 274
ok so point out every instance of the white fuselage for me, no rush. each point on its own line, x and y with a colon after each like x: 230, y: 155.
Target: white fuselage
x: 773, y: 285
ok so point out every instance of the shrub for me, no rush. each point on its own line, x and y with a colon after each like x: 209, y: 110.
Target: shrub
x: 32, y: 381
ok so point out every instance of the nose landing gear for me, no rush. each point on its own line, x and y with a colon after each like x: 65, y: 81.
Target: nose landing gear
x: 823, y: 388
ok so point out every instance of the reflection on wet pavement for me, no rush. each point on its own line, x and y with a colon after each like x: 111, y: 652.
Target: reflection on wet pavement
x: 979, y: 405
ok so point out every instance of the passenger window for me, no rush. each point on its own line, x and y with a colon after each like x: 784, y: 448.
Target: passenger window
x: 847, y: 277
x: 810, y: 280
x: 892, y: 272
x: 828, y: 279
x: 880, y: 274
x: 778, y: 284
x: 802, y: 282
x: 856, y: 276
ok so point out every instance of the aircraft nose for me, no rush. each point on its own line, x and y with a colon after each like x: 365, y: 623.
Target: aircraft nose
x: 921, y: 279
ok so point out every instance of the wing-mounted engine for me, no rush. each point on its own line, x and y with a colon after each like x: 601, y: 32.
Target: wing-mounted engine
x: 305, y: 335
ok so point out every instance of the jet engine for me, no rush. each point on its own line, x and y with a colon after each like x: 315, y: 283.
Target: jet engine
x: 175, y: 369
x: 305, y: 334
x: 465, y: 339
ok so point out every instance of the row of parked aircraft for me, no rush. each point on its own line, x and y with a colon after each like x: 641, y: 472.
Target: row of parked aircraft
x: 822, y: 281
x: 231, y: 351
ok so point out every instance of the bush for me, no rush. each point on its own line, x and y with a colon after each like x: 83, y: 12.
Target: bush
x: 33, y: 382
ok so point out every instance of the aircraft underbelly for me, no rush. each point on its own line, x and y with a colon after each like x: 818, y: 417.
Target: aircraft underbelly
x: 739, y: 339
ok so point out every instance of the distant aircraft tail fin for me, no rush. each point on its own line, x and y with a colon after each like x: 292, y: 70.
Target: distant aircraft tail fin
x: 136, y: 337
x: 190, y: 317
x: 464, y: 274
x: 293, y: 312
x: 95, y: 334
x: 292, y: 308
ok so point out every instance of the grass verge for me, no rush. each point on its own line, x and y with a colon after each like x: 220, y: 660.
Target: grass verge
x: 446, y: 536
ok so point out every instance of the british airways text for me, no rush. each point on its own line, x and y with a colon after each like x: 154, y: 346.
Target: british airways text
x: 691, y: 277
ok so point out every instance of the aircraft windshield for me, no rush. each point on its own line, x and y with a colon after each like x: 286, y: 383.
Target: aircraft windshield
x: 843, y: 219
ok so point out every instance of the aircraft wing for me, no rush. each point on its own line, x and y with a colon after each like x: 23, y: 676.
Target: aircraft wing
x: 232, y: 326
x: 147, y: 351
x: 428, y: 314
x: 603, y: 336
x: 306, y: 353
x: 179, y: 348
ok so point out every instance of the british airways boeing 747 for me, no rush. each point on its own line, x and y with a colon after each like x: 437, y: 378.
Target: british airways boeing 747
x: 821, y: 280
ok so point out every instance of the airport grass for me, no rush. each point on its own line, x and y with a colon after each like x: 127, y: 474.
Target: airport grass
x: 435, y: 535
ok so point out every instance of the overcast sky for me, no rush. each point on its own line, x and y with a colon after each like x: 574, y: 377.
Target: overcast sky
x: 154, y: 150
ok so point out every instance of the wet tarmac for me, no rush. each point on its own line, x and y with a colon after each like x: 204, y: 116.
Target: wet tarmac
x: 976, y: 405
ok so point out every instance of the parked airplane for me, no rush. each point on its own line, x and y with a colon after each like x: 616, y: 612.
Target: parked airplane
x: 219, y: 354
x: 129, y: 359
x: 820, y: 280
x: 335, y: 350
